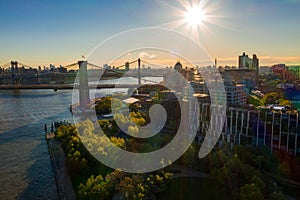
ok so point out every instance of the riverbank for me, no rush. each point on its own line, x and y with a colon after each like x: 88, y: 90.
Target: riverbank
x: 62, y: 178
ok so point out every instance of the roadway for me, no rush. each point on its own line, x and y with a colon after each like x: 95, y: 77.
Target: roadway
x: 64, y: 86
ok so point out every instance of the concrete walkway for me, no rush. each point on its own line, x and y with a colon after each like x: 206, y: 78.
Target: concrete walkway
x: 63, y: 181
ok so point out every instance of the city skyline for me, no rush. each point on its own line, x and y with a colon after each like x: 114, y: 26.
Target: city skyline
x: 44, y: 32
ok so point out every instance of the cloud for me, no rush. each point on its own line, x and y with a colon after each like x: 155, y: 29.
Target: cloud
x: 146, y: 55
x: 152, y: 56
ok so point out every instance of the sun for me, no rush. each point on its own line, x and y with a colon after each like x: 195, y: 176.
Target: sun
x: 194, y: 16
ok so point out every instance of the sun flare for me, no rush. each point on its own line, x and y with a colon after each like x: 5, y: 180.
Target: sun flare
x: 194, y: 16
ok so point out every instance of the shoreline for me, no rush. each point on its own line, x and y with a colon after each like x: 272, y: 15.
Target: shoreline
x: 63, y: 182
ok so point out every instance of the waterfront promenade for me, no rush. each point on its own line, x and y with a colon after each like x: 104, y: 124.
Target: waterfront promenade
x: 62, y: 178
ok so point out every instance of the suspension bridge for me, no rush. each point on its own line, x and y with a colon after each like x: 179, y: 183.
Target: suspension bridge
x: 15, y: 75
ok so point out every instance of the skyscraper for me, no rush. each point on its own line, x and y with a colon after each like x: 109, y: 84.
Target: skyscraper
x: 247, y: 63
x: 255, y: 63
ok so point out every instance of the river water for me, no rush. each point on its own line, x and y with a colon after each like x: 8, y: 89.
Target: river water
x: 25, y: 167
x: 293, y: 96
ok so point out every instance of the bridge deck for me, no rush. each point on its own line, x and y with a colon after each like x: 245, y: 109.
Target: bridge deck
x: 64, y: 87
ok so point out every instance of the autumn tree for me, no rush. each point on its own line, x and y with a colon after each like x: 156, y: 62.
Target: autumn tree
x: 132, y: 187
x: 271, y: 98
x: 105, y: 104
x: 94, y: 188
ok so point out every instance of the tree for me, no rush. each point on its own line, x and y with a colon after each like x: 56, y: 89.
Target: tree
x: 284, y: 169
x: 254, y: 101
x: 114, y: 178
x: 157, y: 182
x: 104, y: 124
x: 133, y: 130
x: 190, y: 156
x: 138, y: 121
x: 258, y: 182
x: 85, y: 127
x: 284, y: 102
x: 132, y: 187
x: 250, y: 192
x: 277, y: 196
x: 94, y: 188
x: 116, y: 104
x: 271, y: 98
x: 137, y: 118
x: 119, y: 142
x: 121, y: 119
x: 106, y: 103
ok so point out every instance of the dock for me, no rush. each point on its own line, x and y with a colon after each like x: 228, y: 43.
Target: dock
x: 50, y: 135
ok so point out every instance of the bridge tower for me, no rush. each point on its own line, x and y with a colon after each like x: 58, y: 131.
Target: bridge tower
x: 84, y: 94
x: 139, y: 71
x: 14, y: 72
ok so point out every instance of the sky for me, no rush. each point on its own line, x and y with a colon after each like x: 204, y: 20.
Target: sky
x: 43, y: 32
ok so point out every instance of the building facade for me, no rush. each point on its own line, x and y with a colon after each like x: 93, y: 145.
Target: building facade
x: 249, y: 63
x: 275, y: 129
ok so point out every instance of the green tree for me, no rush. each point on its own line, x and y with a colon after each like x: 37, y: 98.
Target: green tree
x: 190, y: 156
x: 259, y: 183
x: 104, y: 124
x: 254, y: 101
x: 94, y: 188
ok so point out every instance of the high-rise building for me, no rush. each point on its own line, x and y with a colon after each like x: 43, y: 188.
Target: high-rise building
x: 255, y: 64
x: 236, y: 94
x: 249, y: 63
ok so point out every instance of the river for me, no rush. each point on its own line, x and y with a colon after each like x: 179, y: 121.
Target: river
x: 293, y: 96
x: 25, y: 167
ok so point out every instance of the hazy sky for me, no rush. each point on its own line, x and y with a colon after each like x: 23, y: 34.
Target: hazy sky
x: 40, y: 32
